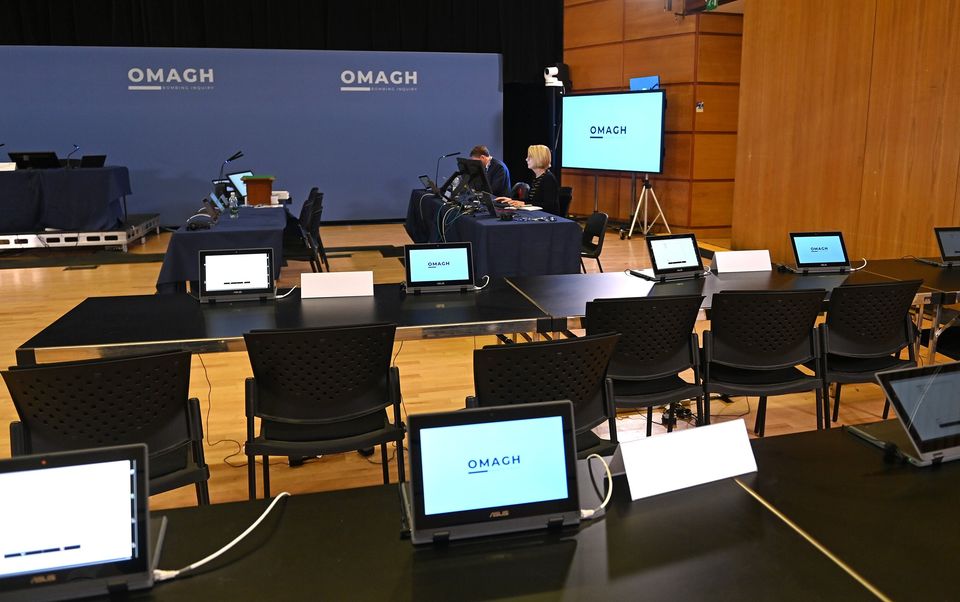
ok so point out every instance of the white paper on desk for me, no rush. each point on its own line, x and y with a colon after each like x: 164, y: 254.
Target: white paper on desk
x: 682, y: 459
x: 336, y: 284
x: 530, y: 208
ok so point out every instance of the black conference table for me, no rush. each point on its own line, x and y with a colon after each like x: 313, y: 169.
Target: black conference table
x: 119, y: 326
x: 253, y: 228
x: 81, y: 199
x: 530, y: 244
x: 889, y: 523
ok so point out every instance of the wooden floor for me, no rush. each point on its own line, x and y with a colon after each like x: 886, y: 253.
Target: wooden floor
x: 435, y: 375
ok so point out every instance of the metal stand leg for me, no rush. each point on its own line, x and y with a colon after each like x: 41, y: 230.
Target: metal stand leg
x: 643, y: 203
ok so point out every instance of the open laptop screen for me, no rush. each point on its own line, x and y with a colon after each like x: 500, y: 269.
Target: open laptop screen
x: 674, y: 254
x: 236, y: 273
x: 73, y: 521
x: 949, y: 241
x: 819, y: 249
x: 927, y: 403
x: 439, y: 265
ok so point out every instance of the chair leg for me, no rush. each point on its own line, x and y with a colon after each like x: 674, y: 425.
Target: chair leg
x: 598, y: 265
x: 886, y: 409
x: 251, y: 477
x: 699, y: 410
x: 761, y: 417
x: 671, y: 416
x: 401, y: 469
x: 384, y: 463
x: 649, y: 421
x: 705, y: 416
x: 266, y: 476
x: 836, y: 404
x: 583, y: 268
x: 203, y: 494
x: 823, y: 409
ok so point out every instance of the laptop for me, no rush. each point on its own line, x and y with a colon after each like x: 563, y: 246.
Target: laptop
x: 93, y: 160
x: 674, y: 257
x: 237, y: 275
x: 439, y: 267
x: 236, y: 181
x: 504, y: 213
x: 76, y: 524
x: 948, y: 239
x: 927, y: 402
x: 819, y: 253
x: 35, y: 160
x: 488, y: 471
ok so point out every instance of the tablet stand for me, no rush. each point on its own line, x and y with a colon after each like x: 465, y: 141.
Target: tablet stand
x: 644, y: 202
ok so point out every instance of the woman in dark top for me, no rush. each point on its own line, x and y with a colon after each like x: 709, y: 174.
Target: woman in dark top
x: 544, y: 191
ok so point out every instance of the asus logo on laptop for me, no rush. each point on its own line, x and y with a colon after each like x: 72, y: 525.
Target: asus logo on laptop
x: 500, y: 514
x: 41, y: 579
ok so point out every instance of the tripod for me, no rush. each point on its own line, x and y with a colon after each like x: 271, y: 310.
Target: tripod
x: 643, y: 202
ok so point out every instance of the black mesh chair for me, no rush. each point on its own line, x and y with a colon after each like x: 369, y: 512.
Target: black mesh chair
x: 321, y: 391
x: 592, y: 242
x: 755, y: 343
x: 657, y: 343
x: 564, y: 199
x: 297, y: 242
x: 573, y: 369
x: 99, y: 403
x: 867, y: 328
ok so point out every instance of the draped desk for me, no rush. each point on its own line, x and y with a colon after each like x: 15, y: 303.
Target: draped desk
x: 82, y: 199
x: 890, y: 523
x: 118, y: 326
x: 253, y: 228
x: 500, y: 248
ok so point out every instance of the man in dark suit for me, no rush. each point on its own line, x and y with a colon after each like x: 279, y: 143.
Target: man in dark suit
x: 497, y: 173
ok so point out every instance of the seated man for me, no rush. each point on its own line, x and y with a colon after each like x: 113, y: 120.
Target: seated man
x: 497, y: 173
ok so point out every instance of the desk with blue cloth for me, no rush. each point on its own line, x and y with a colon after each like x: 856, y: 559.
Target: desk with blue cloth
x: 535, y: 243
x: 254, y: 228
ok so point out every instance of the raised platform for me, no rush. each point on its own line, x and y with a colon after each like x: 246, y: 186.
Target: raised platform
x: 137, y: 226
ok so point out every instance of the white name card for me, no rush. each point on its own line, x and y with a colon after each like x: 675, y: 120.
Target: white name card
x: 8, y: 166
x: 682, y: 459
x: 741, y: 261
x: 336, y: 284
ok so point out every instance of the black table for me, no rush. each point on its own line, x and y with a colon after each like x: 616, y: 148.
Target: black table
x: 254, y: 228
x: 87, y: 199
x: 714, y: 541
x: 119, y: 326
x: 500, y: 248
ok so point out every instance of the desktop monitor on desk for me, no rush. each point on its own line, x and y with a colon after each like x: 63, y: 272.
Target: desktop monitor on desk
x: 35, y: 160
x: 237, y: 275
x: 474, y: 174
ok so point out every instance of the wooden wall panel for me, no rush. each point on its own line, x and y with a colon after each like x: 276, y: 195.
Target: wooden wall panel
x: 679, y: 114
x: 647, y: 19
x: 718, y: 58
x: 720, y: 108
x: 711, y: 204
x: 596, y: 67
x: 676, y: 162
x: 804, y: 89
x: 594, y: 23
x: 674, y: 197
x: 910, y: 174
x: 583, y: 188
x: 714, y: 156
x: 720, y: 23
x: 672, y: 58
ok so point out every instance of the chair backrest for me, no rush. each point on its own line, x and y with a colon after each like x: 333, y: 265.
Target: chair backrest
x: 564, y: 198
x: 320, y: 375
x: 315, y: 216
x: 307, y: 208
x: 763, y: 329
x: 596, y: 227
x: 870, y: 320
x: 656, y: 334
x: 520, y: 191
x: 98, y: 403
x: 573, y: 369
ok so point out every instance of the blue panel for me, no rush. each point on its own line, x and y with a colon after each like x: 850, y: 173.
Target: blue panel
x: 291, y: 112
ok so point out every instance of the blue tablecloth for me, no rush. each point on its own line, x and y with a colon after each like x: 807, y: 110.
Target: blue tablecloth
x: 501, y: 248
x: 253, y: 229
x: 87, y: 199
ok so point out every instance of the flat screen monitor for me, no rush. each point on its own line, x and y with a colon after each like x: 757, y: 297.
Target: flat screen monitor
x: 948, y: 240
x: 439, y: 266
x: 674, y: 254
x: 93, y: 161
x: 475, y: 174
x: 650, y: 82
x: 819, y: 250
x: 926, y: 403
x: 74, y: 523
x: 35, y: 160
x: 236, y: 181
x: 620, y: 131
x: 236, y: 274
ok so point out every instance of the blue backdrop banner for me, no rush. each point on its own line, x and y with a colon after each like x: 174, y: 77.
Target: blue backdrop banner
x: 359, y: 125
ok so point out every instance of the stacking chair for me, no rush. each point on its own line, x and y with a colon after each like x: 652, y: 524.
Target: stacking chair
x: 99, y: 403
x: 867, y: 328
x: 595, y: 229
x: 565, y: 198
x: 313, y: 229
x: 657, y: 343
x: 573, y: 369
x: 321, y: 391
x: 297, y: 242
x: 755, y: 343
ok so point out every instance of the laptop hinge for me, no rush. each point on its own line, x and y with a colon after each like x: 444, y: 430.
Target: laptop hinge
x: 441, y: 537
x: 555, y: 523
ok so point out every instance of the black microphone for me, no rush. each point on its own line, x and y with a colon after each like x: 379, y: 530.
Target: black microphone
x: 2, y: 144
x: 75, y: 149
x: 232, y: 157
x: 436, y: 176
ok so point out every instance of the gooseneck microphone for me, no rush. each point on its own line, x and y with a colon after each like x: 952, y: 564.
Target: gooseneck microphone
x: 70, y: 154
x: 230, y: 159
x: 436, y: 176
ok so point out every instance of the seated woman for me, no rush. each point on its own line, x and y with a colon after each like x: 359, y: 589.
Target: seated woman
x: 544, y: 191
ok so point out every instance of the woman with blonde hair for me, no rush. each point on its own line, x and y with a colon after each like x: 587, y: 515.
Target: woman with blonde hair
x: 544, y: 191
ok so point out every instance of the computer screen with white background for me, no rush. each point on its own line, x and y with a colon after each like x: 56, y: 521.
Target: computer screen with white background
x: 240, y: 271
x: 674, y: 253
